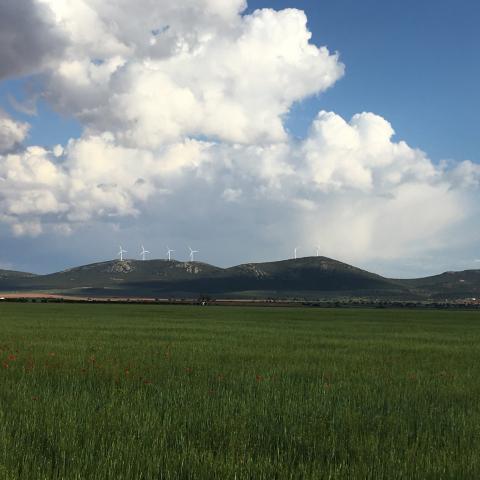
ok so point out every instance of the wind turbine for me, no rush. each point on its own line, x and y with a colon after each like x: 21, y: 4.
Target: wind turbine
x: 121, y: 252
x: 318, y: 251
x: 295, y: 252
x: 169, y: 253
x: 144, y: 253
x: 192, y: 254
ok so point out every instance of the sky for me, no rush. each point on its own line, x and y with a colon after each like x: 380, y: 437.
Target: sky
x: 242, y: 130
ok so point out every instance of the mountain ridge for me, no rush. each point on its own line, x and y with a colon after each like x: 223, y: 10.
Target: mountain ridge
x: 307, y: 277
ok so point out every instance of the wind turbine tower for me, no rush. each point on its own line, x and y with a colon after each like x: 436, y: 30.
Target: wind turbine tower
x: 144, y: 253
x: 121, y: 252
x: 318, y: 251
x: 295, y: 250
x: 169, y: 253
x: 192, y: 254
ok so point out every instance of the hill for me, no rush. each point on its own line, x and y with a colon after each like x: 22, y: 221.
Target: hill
x: 10, y: 278
x: 308, y: 277
x: 305, y: 276
x: 127, y: 277
x: 451, y: 285
x: 6, y: 274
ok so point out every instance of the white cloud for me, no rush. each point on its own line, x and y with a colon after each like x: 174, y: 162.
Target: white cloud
x: 465, y: 174
x: 360, y: 154
x: 232, y: 194
x: 233, y: 83
x: 12, y: 133
x: 27, y: 228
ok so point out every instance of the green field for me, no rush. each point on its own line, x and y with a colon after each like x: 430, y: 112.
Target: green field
x: 156, y: 392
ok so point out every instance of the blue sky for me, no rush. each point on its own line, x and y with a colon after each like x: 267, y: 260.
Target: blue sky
x: 412, y: 63
x: 47, y: 126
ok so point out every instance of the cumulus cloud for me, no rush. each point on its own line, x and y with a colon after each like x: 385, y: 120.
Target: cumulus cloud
x: 12, y: 133
x: 183, y: 110
x: 360, y: 154
x: 233, y: 84
x: 347, y: 180
x: 464, y: 175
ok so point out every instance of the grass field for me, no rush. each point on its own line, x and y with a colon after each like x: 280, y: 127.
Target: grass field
x: 147, y: 392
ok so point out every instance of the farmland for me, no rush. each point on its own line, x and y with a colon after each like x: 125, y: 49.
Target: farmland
x: 167, y: 392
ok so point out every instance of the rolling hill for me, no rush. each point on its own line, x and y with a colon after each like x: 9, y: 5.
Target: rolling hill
x: 9, y: 278
x: 6, y: 274
x: 309, y: 277
x: 451, y: 285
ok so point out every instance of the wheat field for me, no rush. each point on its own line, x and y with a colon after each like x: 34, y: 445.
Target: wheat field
x: 179, y: 392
